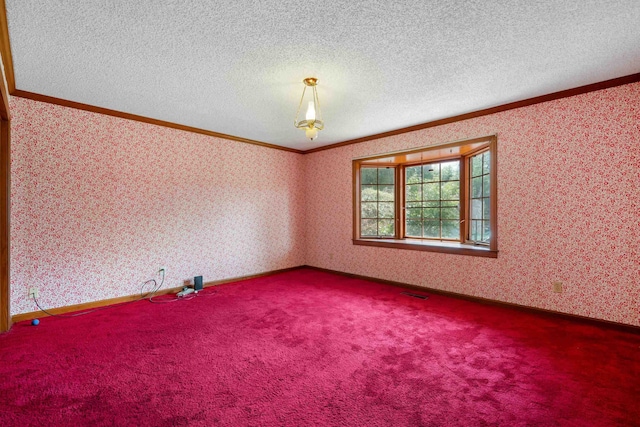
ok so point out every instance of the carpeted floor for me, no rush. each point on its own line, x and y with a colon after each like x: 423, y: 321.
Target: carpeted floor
x: 307, y: 348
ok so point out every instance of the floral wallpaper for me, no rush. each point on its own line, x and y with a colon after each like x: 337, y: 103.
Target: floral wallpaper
x: 100, y: 203
x: 568, y: 203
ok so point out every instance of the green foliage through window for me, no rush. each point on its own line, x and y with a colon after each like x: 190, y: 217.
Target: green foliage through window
x: 480, y: 200
x: 448, y: 197
x: 432, y: 194
x: 377, y: 202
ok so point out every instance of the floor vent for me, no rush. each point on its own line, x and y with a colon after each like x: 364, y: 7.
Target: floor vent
x: 411, y: 294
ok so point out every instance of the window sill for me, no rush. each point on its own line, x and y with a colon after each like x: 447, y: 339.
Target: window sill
x: 430, y: 246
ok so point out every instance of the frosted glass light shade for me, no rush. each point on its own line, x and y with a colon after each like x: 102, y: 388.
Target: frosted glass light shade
x: 312, y: 122
x: 312, y: 133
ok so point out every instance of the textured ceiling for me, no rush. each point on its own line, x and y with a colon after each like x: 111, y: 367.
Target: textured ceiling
x: 236, y: 67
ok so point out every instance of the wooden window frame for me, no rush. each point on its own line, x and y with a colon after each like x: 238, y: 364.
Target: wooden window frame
x: 403, y: 167
x: 467, y: 201
x: 395, y: 188
x: 461, y: 150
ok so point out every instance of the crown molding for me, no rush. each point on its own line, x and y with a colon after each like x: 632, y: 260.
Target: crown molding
x: 620, y: 81
x: 7, y: 60
x: 86, y: 107
x: 5, y: 50
x: 632, y: 78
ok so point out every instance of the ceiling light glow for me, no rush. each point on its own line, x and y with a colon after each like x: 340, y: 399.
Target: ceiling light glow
x: 312, y: 122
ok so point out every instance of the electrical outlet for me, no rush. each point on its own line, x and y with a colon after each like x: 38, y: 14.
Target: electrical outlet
x: 557, y: 287
x: 33, y: 292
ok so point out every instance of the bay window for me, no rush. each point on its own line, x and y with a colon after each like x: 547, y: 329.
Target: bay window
x: 440, y: 198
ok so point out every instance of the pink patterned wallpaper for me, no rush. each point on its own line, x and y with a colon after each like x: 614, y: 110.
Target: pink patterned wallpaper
x: 100, y: 203
x: 568, y: 203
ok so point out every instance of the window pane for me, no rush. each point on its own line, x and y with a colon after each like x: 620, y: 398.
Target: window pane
x: 476, y: 187
x: 414, y: 192
x: 385, y: 193
x: 414, y: 228
x: 480, y: 189
x: 451, y: 230
x: 474, y: 234
x: 440, y: 187
x: 369, y: 176
x: 451, y: 190
x: 450, y: 171
x: 486, y: 231
x: 486, y: 209
x: 414, y: 213
x: 369, y: 210
x: 450, y: 213
x: 431, y: 207
x: 476, y: 209
x: 432, y: 229
x: 385, y: 175
x: 369, y: 227
x: 413, y: 174
x: 385, y: 210
x: 386, y: 227
x: 369, y: 193
x: 431, y: 213
x: 486, y: 162
x: 431, y: 173
x: 377, y: 196
x: 476, y: 165
x: 486, y: 185
x: 431, y: 191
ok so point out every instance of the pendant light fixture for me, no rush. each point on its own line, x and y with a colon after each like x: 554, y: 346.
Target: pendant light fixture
x: 312, y: 122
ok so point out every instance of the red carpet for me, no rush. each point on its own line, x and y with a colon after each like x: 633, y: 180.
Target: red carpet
x: 306, y: 348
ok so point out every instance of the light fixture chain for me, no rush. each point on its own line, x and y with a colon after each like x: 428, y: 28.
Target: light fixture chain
x: 313, y: 119
x: 317, y: 101
x: 295, y: 120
